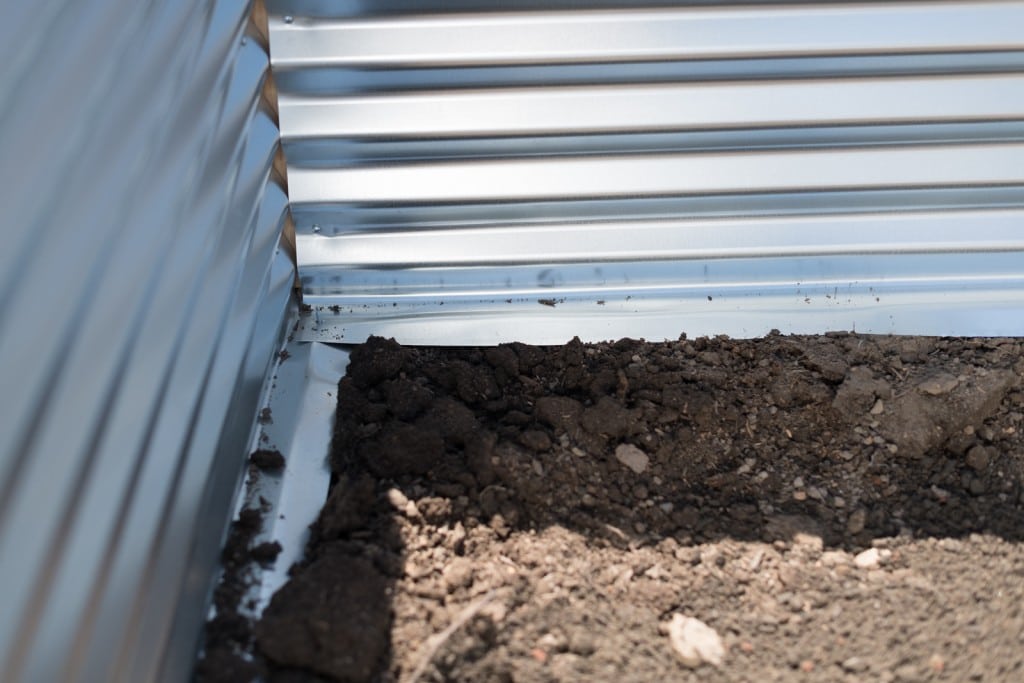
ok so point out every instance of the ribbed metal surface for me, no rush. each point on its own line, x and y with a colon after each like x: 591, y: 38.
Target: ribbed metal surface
x: 464, y: 175
x: 142, y: 299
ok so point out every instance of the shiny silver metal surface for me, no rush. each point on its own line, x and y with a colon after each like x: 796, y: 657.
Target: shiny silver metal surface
x: 465, y: 175
x: 724, y: 30
x: 143, y: 298
x: 659, y: 107
x: 302, y: 401
x: 659, y: 175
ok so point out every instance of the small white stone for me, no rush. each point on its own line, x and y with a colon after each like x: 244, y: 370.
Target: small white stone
x: 632, y: 457
x: 553, y: 642
x: 808, y: 541
x: 878, y: 408
x: 458, y: 573
x: 868, y: 559
x: 855, y: 665
x: 397, y: 499
x: 695, y: 642
x: 938, y: 384
x: 834, y: 558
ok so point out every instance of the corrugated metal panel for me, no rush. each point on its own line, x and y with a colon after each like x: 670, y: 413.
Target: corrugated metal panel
x: 141, y: 305
x: 706, y: 167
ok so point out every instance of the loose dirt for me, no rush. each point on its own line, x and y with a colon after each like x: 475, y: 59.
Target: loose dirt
x: 834, y: 508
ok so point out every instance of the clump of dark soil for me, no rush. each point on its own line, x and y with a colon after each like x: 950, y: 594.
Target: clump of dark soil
x: 836, y: 508
x: 228, y: 639
x: 267, y: 459
x: 228, y: 635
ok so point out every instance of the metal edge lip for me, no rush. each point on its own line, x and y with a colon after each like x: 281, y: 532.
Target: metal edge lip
x: 644, y: 35
x: 385, y: 297
x: 302, y: 401
x: 805, y: 311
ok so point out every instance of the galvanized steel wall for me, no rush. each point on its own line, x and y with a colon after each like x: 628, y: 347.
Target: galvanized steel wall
x: 704, y: 167
x: 143, y: 295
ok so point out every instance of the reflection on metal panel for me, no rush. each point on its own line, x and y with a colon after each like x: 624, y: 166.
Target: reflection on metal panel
x: 140, y: 310
x: 460, y: 174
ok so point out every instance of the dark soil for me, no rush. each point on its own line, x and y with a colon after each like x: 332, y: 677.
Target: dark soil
x: 229, y: 633
x: 267, y: 459
x: 836, y: 508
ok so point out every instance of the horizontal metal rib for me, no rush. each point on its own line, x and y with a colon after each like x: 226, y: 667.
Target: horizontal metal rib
x: 582, y: 110
x: 652, y: 175
x: 438, y: 291
x: 637, y: 35
x: 955, y: 231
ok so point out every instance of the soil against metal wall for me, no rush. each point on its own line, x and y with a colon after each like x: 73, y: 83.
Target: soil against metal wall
x: 833, y: 508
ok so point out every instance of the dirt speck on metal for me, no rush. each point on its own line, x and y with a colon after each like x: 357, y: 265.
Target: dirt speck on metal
x: 268, y: 459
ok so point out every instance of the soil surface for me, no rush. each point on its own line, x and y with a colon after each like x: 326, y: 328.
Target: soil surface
x: 831, y: 508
